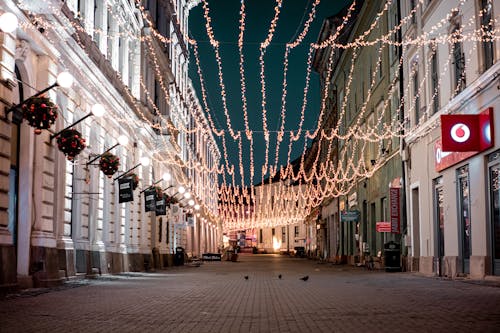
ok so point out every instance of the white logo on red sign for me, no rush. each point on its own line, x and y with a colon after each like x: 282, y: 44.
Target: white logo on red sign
x: 460, y: 132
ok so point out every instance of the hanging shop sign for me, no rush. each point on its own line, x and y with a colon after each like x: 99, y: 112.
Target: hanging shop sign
x: 467, y: 132
x: 383, y: 227
x: 394, y: 194
x: 190, y: 220
x: 125, y: 191
x: 149, y: 199
x: 160, y: 206
x: 350, y: 216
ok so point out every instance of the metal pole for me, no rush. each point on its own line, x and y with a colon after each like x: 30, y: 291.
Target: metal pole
x: 107, y: 150
x: 41, y: 92
x: 77, y: 122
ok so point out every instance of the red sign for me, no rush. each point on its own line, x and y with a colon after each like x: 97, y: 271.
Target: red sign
x: 383, y: 226
x: 444, y: 159
x: 467, y: 132
x: 395, y: 220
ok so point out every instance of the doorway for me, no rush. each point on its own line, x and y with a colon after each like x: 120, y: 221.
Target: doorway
x: 464, y: 217
x: 439, y: 225
x: 494, y: 204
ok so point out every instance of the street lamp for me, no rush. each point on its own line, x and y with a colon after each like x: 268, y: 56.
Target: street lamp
x: 8, y: 22
x: 144, y: 161
x: 122, y: 140
x: 97, y: 111
x: 63, y: 80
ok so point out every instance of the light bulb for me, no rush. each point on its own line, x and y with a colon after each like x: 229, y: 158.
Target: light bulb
x: 123, y: 140
x: 65, y: 79
x: 181, y: 189
x: 187, y: 195
x: 191, y: 202
x: 98, y: 110
x: 166, y: 176
x: 8, y: 22
x: 197, y: 207
x: 144, y: 160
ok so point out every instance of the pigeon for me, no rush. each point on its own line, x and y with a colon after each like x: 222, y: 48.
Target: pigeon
x: 305, y: 278
x: 246, y: 277
x: 279, y: 276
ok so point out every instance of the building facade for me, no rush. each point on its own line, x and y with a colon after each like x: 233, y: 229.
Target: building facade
x: 60, y: 218
x: 452, y: 196
x: 361, y: 96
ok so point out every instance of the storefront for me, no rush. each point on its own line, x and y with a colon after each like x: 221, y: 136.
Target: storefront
x: 454, y: 202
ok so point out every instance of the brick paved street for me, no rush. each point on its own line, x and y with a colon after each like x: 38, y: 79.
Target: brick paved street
x: 216, y: 298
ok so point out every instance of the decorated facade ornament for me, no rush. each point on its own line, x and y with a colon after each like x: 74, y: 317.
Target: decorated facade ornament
x: 40, y: 113
x: 71, y: 143
x: 109, y: 164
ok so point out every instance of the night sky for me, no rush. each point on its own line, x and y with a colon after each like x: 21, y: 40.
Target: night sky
x: 259, y: 13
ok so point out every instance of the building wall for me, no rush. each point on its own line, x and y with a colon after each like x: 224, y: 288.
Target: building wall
x: 69, y: 221
x: 479, y: 93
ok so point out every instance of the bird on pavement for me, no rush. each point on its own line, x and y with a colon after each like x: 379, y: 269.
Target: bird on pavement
x: 305, y: 278
x: 246, y: 277
x: 279, y: 276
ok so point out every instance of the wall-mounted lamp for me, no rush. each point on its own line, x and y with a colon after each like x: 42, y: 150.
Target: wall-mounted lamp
x: 122, y: 140
x: 64, y: 80
x: 144, y: 161
x: 97, y: 111
x: 8, y: 22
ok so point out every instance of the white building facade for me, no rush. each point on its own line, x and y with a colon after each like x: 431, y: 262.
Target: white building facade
x: 61, y: 218
x: 452, y: 197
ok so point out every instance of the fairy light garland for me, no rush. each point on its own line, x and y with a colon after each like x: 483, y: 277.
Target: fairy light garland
x: 336, y: 179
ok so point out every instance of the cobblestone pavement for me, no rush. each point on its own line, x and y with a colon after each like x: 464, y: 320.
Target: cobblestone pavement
x: 216, y: 298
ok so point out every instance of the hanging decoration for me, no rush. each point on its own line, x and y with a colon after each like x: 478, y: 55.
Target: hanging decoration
x: 71, y: 143
x: 40, y: 113
x: 171, y: 200
x: 135, y: 179
x: 109, y: 164
x: 159, y: 193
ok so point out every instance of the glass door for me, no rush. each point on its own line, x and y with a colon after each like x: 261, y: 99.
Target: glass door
x: 494, y: 198
x: 439, y: 223
x: 464, y: 216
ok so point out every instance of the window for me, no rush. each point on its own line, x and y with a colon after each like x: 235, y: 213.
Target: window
x: 458, y: 61
x: 416, y: 94
x: 283, y: 234
x: 486, y: 33
x: 261, y: 239
x: 273, y: 231
x: 413, y: 14
x: 296, y: 231
x: 434, y: 80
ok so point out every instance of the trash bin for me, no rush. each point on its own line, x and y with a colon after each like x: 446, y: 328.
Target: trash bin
x: 179, y: 256
x: 392, y: 256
